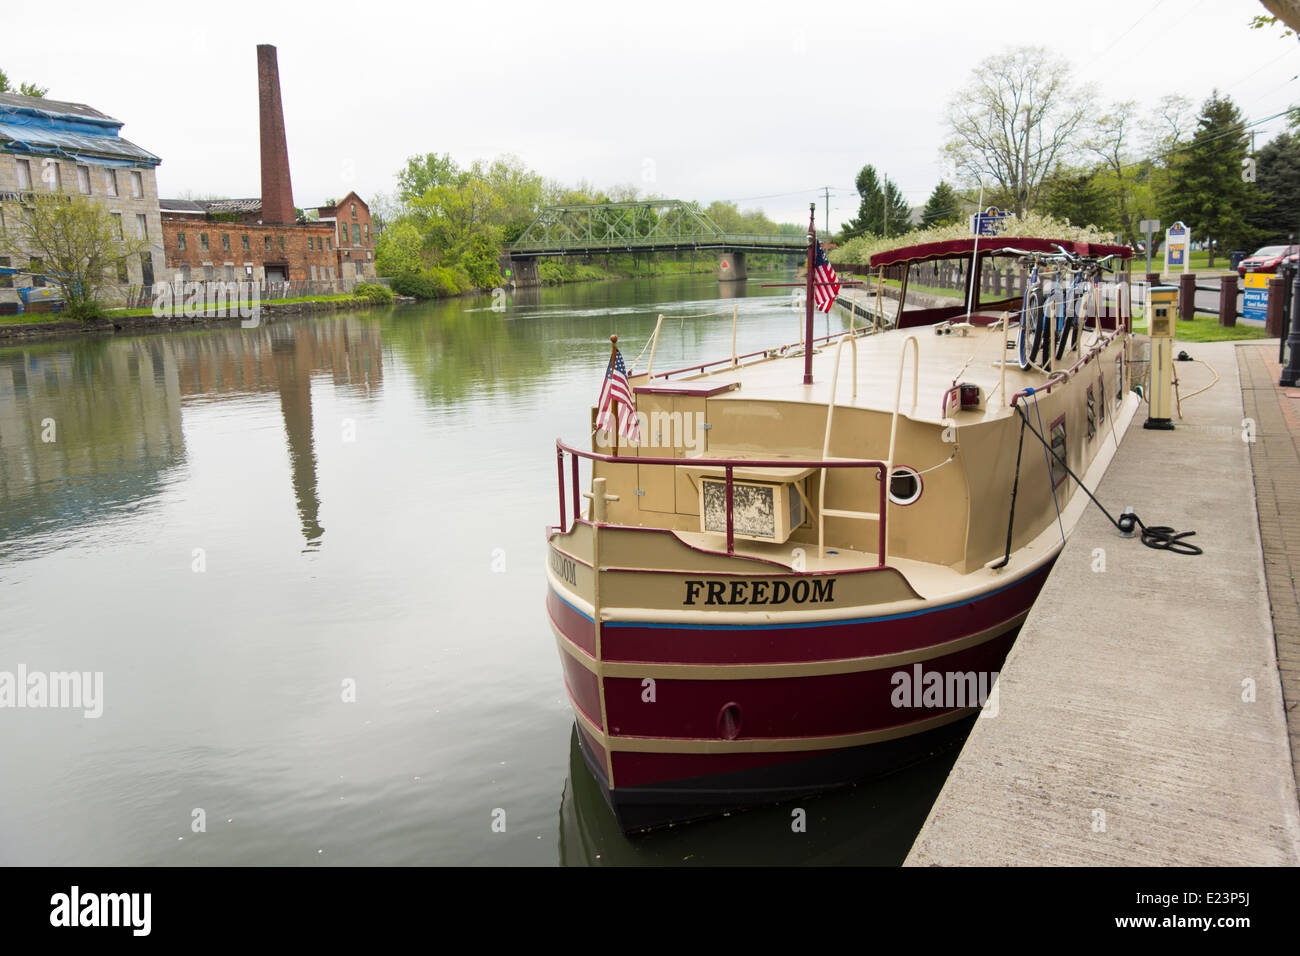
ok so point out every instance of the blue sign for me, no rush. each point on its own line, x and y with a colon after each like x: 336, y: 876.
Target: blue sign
x: 989, y: 222
x: 1255, y: 302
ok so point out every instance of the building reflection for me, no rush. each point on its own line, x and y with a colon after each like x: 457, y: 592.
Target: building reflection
x: 115, y: 409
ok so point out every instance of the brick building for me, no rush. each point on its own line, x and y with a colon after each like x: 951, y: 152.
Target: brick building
x: 350, y: 218
x: 266, y: 239
x: 50, y: 145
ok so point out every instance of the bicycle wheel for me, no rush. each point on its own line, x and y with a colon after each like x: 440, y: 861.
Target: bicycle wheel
x: 1051, y: 309
x: 1031, y: 328
x: 1089, y: 321
x: 1068, y: 335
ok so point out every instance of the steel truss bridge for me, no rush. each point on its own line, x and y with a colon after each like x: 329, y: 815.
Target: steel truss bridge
x: 651, y: 226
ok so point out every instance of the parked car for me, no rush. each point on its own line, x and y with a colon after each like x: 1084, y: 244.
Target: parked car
x: 1268, y: 259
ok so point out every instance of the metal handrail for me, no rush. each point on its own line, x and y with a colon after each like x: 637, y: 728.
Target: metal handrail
x: 768, y: 351
x: 728, y: 465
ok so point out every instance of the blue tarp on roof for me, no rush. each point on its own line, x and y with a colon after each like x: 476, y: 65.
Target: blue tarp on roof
x: 51, y: 128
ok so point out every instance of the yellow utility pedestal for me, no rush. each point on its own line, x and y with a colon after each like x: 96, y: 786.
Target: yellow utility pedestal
x: 1161, y: 324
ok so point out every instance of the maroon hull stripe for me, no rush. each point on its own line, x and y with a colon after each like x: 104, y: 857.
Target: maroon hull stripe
x: 572, y: 623
x: 824, y: 640
x: 584, y: 689
x: 638, y: 769
x: 823, y: 705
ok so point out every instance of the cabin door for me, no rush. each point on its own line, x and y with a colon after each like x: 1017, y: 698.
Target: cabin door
x: 674, y: 428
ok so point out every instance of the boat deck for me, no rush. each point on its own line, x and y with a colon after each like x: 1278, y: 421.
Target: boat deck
x: 968, y: 354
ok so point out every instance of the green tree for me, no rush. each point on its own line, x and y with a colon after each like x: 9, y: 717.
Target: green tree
x: 1079, y: 196
x: 423, y: 173
x: 1205, y: 187
x: 76, y: 241
x: 882, y: 211
x: 398, y: 250
x: 1277, y: 172
x: 25, y: 89
x: 942, y: 208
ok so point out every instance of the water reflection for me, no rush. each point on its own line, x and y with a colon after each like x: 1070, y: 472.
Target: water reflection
x: 90, y: 428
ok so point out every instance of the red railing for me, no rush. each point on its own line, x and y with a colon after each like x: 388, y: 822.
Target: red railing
x: 728, y: 465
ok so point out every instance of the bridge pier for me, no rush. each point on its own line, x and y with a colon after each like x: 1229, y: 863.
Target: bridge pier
x: 731, y: 267
x: 523, y: 272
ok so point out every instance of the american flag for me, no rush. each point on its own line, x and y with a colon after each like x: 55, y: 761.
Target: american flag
x: 617, y: 388
x: 824, y: 294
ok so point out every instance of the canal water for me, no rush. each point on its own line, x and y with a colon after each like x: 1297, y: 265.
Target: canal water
x: 307, y: 559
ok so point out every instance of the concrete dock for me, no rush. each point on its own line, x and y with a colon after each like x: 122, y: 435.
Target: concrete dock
x: 1141, y: 713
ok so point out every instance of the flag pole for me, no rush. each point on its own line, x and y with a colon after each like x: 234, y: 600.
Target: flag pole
x: 613, y: 353
x: 808, y: 297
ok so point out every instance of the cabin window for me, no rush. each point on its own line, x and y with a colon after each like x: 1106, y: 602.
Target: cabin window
x: 1101, y: 405
x: 1119, y: 379
x: 1058, y: 451
x: 904, y: 486
x: 1092, y: 414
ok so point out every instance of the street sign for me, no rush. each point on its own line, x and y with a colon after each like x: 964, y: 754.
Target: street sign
x: 1255, y: 301
x: 1178, y: 247
x: 989, y: 222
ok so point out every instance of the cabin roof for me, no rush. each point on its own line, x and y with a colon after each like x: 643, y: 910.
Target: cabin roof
x: 994, y: 245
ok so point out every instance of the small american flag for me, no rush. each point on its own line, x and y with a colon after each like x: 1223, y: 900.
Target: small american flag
x: 824, y: 293
x: 617, y: 388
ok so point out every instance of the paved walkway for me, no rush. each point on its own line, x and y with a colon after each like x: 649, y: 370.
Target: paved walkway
x: 1275, y: 457
x: 1127, y: 732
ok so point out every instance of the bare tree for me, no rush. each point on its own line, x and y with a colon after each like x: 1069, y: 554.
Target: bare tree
x: 1014, y: 122
x: 1110, y: 139
x: 72, y: 241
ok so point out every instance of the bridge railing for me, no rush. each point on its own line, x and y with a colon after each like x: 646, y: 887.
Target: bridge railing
x: 623, y: 243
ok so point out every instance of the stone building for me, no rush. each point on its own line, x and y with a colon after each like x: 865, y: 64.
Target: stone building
x: 50, y: 145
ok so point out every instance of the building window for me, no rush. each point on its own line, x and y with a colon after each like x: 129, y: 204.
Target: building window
x: 117, y: 228
x: 1059, y: 474
x: 83, y: 180
x: 123, y: 277
x: 180, y: 240
x: 354, y: 210
x: 356, y: 234
x: 225, y: 241
x: 6, y: 280
x: 142, y: 221
x: 110, y: 181
x: 245, y: 240
x: 267, y: 240
x: 207, y: 271
x: 53, y: 175
x: 137, y: 185
x: 343, y: 234
x: 34, y: 266
x: 331, y: 273
x: 313, y: 273
x: 230, y: 272
x: 329, y: 245
x: 281, y: 238
x: 24, y: 174
x: 311, y: 243
x: 367, y: 227
x: 203, y: 241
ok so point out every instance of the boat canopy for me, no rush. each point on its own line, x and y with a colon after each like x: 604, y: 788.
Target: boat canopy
x: 992, y: 246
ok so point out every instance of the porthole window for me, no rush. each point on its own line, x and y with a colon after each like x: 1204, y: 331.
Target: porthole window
x: 904, y: 486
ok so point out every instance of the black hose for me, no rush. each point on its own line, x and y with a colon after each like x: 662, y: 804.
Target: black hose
x: 1159, y: 537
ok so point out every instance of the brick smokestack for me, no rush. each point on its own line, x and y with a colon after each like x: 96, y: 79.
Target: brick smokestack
x: 277, y: 191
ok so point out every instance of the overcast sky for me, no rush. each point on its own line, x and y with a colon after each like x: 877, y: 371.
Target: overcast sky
x: 700, y: 100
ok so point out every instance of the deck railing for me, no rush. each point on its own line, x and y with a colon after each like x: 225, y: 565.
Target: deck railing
x: 728, y: 465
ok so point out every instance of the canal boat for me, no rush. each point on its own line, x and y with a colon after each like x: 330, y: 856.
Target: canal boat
x: 810, y: 567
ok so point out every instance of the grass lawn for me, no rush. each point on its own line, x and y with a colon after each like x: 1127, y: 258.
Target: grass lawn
x: 1209, y: 330
x: 34, y: 318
